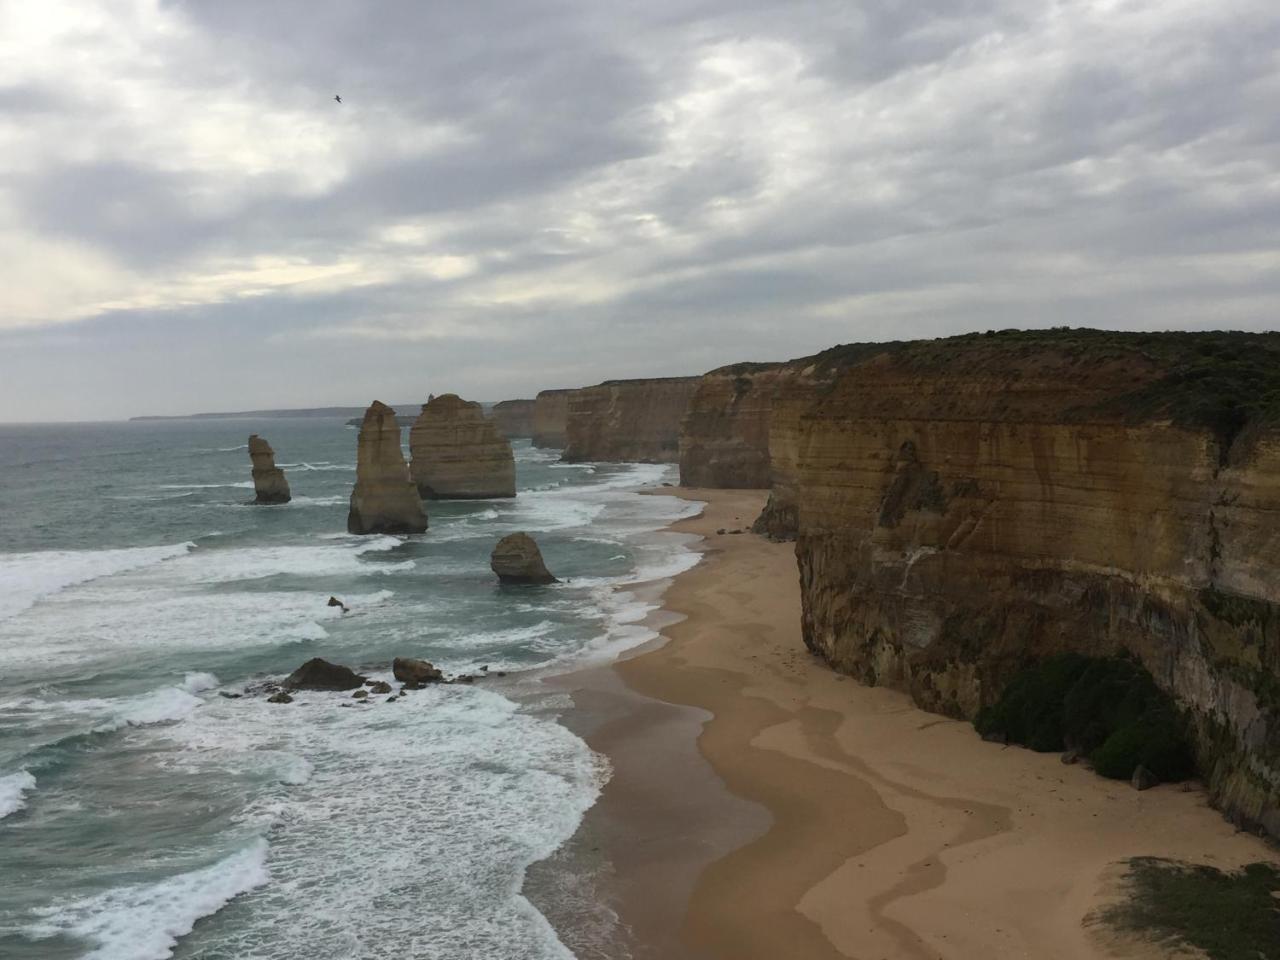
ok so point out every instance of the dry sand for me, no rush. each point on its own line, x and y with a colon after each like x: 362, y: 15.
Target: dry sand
x: 853, y: 823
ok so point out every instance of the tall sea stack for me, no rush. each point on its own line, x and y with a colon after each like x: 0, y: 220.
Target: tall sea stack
x: 384, y: 499
x: 550, y: 418
x: 458, y: 453
x: 269, y: 483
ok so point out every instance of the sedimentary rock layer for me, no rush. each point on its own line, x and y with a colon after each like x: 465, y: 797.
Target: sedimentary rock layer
x: 514, y: 418
x: 550, y: 418
x: 966, y: 506
x: 628, y: 420
x: 384, y: 499
x: 458, y: 453
x: 269, y: 483
x: 724, y: 438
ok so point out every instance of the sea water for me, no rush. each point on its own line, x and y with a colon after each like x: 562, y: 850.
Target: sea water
x: 152, y: 804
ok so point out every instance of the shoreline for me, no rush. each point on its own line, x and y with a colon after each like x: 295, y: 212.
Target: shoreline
x: 763, y: 805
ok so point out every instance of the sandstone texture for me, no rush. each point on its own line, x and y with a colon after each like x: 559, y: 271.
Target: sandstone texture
x: 517, y: 559
x: 550, y: 418
x: 724, y: 438
x: 514, y: 418
x: 965, y: 506
x: 628, y: 420
x: 384, y: 499
x: 269, y: 483
x: 458, y: 453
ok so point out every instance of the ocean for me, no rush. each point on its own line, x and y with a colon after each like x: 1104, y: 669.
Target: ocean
x: 151, y: 807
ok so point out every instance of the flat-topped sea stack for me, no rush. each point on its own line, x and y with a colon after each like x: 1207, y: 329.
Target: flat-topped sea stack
x: 966, y: 507
x: 269, y: 483
x: 628, y: 420
x: 517, y: 559
x: 550, y: 418
x: 514, y: 418
x: 458, y: 453
x: 384, y: 499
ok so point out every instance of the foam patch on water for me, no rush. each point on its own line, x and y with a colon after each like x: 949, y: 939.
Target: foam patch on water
x: 145, y: 921
x: 317, y: 501
x: 13, y: 791
x: 199, y: 682
x: 440, y: 800
x: 238, y: 485
x: 29, y: 577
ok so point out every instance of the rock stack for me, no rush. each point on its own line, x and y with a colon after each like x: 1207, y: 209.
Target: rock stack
x: 459, y: 454
x: 269, y: 483
x: 517, y: 559
x: 550, y: 416
x: 384, y: 499
x: 514, y: 418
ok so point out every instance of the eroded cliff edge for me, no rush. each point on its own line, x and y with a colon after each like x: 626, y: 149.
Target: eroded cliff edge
x: 965, y: 506
x: 628, y: 420
x: 550, y: 418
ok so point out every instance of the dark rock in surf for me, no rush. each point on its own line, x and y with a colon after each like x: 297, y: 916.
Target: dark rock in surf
x: 318, y: 674
x: 415, y: 673
x: 517, y: 559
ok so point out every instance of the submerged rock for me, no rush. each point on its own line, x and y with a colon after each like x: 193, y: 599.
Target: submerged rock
x: 335, y: 602
x: 279, y: 697
x: 517, y: 559
x: 318, y: 674
x: 379, y: 686
x: 459, y: 454
x: 269, y: 483
x: 384, y: 499
x: 415, y: 672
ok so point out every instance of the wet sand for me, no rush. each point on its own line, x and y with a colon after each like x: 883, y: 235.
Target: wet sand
x: 763, y: 806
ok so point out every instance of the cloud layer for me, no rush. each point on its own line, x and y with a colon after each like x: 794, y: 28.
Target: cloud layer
x: 517, y: 194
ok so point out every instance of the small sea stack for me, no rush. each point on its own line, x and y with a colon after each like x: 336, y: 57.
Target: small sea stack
x: 269, y: 483
x: 384, y: 499
x: 517, y: 559
x: 458, y: 453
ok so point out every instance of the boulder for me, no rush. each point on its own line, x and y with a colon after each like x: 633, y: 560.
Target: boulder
x: 318, y: 674
x: 1144, y: 779
x: 360, y: 694
x: 517, y: 559
x: 384, y: 499
x: 379, y: 686
x: 415, y: 672
x: 459, y: 454
x: 335, y: 602
x: 279, y: 697
x: 269, y: 484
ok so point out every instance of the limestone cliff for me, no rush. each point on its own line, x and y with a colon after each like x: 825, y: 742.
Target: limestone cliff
x: 724, y: 438
x: 384, y: 499
x: 458, y: 453
x: 550, y: 418
x: 269, y: 483
x: 965, y: 506
x: 514, y: 418
x: 628, y: 420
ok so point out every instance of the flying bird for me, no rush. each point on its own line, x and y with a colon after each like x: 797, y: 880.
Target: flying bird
x: 338, y: 98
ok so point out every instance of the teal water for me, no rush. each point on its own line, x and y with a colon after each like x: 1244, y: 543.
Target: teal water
x: 143, y: 814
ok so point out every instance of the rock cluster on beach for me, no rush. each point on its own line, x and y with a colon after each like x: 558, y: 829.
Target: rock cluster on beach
x: 384, y: 499
x: 269, y: 483
x: 517, y: 559
x: 458, y: 453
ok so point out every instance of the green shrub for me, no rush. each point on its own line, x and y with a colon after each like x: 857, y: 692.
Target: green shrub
x: 1108, y: 708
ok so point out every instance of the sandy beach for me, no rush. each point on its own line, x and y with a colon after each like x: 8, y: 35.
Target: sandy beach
x: 763, y: 806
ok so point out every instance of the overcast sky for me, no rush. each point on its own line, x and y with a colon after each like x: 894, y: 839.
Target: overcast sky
x: 519, y: 194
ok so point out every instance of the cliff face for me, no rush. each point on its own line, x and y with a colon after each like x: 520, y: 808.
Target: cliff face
x: 458, y: 453
x: 384, y: 499
x: 514, y: 418
x: 628, y: 420
x: 550, y: 418
x: 269, y: 483
x: 724, y: 438
x: 965, y: 508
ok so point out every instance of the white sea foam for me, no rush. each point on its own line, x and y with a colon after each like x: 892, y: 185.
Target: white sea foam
x: 239, y: 485
x: 443, y: 798
x: 323, y: 466
x: 317, y: 501
x: 13, y: 790
x: 29, y: 577
x: 145, y: 921
x: 199, y: 682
